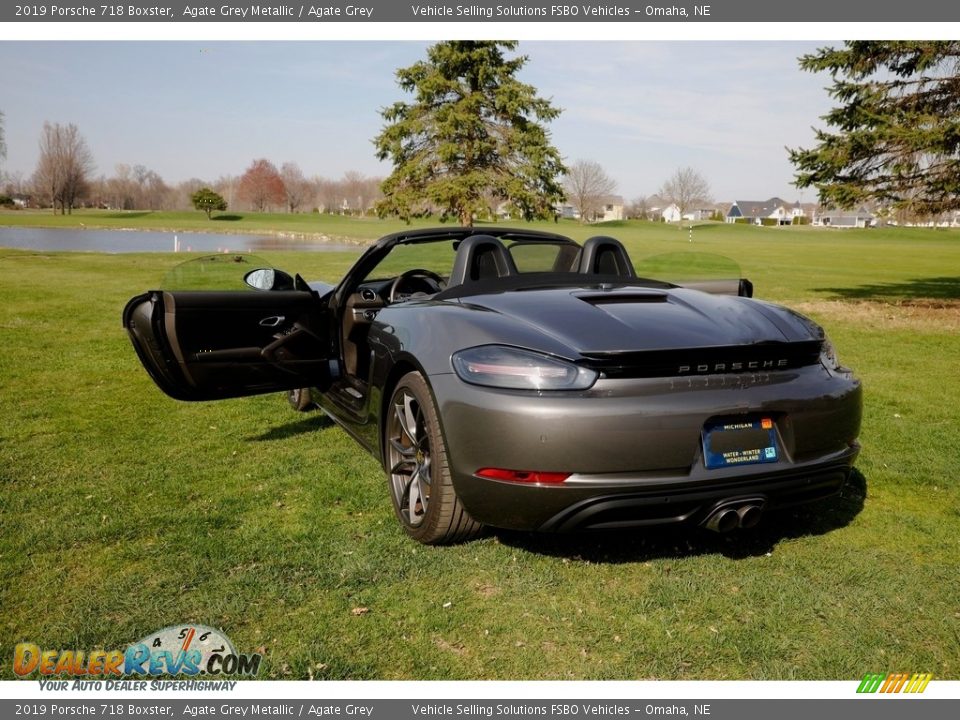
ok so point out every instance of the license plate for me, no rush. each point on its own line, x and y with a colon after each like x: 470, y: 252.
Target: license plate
x: 740, y: 442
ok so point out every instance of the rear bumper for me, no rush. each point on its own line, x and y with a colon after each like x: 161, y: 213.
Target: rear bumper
x: 677, y: 503
x: 633, y: 447
x: 640, y: 502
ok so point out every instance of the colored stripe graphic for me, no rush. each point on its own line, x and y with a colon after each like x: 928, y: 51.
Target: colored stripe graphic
x: 870, y: 683
x: 918, y: 683
x: 894, y: 682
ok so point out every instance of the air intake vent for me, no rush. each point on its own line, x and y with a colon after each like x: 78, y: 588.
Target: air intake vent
x: 611, y: 298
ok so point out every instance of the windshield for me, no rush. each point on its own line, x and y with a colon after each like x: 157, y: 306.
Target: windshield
x: 682, y: 268
x: 438, y: 257
x: 225, y: 271
x: 544, y: 256
x: 551, y: 261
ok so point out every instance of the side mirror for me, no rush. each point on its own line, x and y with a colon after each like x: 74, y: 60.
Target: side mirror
x: 268, y: 279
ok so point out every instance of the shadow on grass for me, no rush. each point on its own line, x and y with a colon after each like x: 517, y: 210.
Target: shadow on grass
x: 639, y: 545
x: 935, y: 288
x: 228, y: 218
x: 128, y: 215
x: 314, y: 422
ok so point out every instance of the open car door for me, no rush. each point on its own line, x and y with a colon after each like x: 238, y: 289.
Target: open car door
x: 245, y: 329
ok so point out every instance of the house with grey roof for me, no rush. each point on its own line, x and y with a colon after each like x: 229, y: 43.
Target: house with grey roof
x: 756, y: 211
x: 859, y: 218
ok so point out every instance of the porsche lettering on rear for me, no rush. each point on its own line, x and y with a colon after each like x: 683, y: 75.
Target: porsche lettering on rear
x: 734, y: 366
x: 518, y: 379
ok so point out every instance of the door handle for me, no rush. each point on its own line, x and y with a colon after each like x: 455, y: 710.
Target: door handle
x: 272, y: 321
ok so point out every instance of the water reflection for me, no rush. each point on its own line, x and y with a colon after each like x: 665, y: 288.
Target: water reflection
x: 121, y: 241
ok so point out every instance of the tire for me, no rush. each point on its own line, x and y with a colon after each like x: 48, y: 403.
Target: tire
x: 300, y: 399
x: 418, y: 473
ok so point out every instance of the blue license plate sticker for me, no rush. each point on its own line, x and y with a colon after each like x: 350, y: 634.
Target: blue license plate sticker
x: 740, y: 442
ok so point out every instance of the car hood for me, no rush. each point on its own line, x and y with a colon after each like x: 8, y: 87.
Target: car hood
x: 632, y: 319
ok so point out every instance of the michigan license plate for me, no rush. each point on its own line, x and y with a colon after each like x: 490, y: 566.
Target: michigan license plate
x: 743, y: 442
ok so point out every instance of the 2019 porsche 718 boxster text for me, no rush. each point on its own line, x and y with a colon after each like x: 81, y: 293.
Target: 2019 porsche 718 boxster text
x: 520, y: 380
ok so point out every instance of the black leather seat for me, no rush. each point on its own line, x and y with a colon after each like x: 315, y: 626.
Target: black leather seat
x: 481, y: 257
x: 602, y: 255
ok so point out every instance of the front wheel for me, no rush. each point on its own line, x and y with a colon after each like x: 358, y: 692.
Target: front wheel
x: 417, y: 470
x: 300, y: 399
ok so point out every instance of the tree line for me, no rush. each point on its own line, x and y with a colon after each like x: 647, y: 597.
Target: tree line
x: 473, y: 144
x: 64, y: 180
x: 473, y: 141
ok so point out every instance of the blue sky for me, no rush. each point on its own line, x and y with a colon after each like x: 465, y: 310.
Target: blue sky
x: 204, y: 109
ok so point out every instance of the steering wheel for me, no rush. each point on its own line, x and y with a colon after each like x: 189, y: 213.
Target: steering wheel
x: 428, y: 278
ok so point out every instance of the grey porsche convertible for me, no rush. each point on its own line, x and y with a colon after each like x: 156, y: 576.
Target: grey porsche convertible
x: 518, y: 379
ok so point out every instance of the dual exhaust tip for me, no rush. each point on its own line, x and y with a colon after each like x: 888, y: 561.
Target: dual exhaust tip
x: 734, y: 514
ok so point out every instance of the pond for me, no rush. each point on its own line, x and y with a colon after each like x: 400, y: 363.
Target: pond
x: 122, y: 241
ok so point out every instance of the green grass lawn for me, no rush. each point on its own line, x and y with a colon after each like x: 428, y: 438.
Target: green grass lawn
x: 306, y: 224
x: 123, y: 511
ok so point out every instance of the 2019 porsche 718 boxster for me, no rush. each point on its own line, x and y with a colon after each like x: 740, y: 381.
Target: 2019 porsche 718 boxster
x: 517, y: 379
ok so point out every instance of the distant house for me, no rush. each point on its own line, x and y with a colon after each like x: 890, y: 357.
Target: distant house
x: 610, y: 207
x: 698, y: 214
x: 671, y: 213
x: 756, y: 212
x: 944, y: 220
x: 859, y: 218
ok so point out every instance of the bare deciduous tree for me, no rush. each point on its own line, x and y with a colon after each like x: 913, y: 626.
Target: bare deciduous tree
x: 262, y: 186
x: 135, y: 188
x: 356, y: 196
x: 586, y: 184
x: 3, y: 144
x: 64, y: 166
x: 181, y: 193
x: 639, y: 209
x: 685, y: 188
x: 119, y: 189
x: 327, y: 194
x: 354, y: 193
x: 15, y: 184
x: 226, y: 185
x: 295, y: 186
x: 151, y: 189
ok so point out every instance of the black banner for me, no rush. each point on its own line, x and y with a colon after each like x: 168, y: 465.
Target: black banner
x: 327, y: 11
x: 216, y: 708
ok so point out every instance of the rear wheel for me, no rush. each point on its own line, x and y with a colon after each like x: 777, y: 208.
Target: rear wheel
x: 417, y: 470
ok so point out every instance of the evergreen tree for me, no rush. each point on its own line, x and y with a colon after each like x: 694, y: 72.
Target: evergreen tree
x: 207, y: 200
x: 896, y: 132
x: 472, y: 132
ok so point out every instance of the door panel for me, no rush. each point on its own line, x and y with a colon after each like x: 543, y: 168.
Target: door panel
x: 207, y: 345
